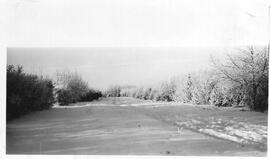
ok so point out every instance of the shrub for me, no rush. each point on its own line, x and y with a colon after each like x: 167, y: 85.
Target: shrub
x: 113, y: 91
x: 72, y: 88
x: 217, y: 97
x: 198, y: 87
x: 64, y: 97
x: 147, y: 93
x: 167, y: 91
x: 91, y: 95
x: 139, y: 93
x: 153, y: 94
x: 27, y: 92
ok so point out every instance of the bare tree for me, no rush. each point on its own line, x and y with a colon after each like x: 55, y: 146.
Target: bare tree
x: 73, y: 83
x: 248, y: 71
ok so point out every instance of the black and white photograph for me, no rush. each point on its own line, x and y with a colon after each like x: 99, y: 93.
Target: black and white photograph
x: 143, y: 78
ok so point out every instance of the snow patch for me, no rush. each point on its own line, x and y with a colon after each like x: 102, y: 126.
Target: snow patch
x: 239, y: 132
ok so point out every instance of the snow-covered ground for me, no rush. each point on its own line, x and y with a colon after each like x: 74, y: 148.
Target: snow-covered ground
x: 128, y: 126
x: 213, y: 125
x: 239, y: 132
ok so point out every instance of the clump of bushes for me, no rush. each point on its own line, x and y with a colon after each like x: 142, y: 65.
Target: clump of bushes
x: 72, y: 88
x: 113, y: 91
x: 139, y: 92
x: 65, y: 97
x: 198, y: 87
x: 167, y: 91
x: 27, y: 92
x: 132, y: 91
x: 91, y: 95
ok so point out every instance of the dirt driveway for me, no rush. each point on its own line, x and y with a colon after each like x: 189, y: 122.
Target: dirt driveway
x: 110, y: 128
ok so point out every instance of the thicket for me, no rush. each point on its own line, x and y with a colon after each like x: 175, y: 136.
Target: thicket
x: 91, y: 95
x: 246, y: 78
x: 71, y: 88
x: 26, y: 92
x: 113, y: 91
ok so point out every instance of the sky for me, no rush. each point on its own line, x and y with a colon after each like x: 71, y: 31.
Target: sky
x: 106, y: 66
x: 129, y: 41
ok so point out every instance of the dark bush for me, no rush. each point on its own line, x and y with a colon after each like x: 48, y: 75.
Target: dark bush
x: 72, y: 88
x: 91, y: 95
x: 65, y: 97
x: 26, y: 92
x: 167, y: 92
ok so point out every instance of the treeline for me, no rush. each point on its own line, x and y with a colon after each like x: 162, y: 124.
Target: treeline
x: 26, y: 92
x: 241, y: 79
x: 71, y: 88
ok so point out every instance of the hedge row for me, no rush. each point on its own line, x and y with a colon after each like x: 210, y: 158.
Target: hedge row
x: 67, y: 96
x: 26, y: 92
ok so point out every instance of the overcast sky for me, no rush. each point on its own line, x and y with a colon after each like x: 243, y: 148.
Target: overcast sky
x: 103, y: 67
x: 129, y: 41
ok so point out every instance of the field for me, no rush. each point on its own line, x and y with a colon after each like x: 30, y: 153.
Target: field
x: 128, y: 126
